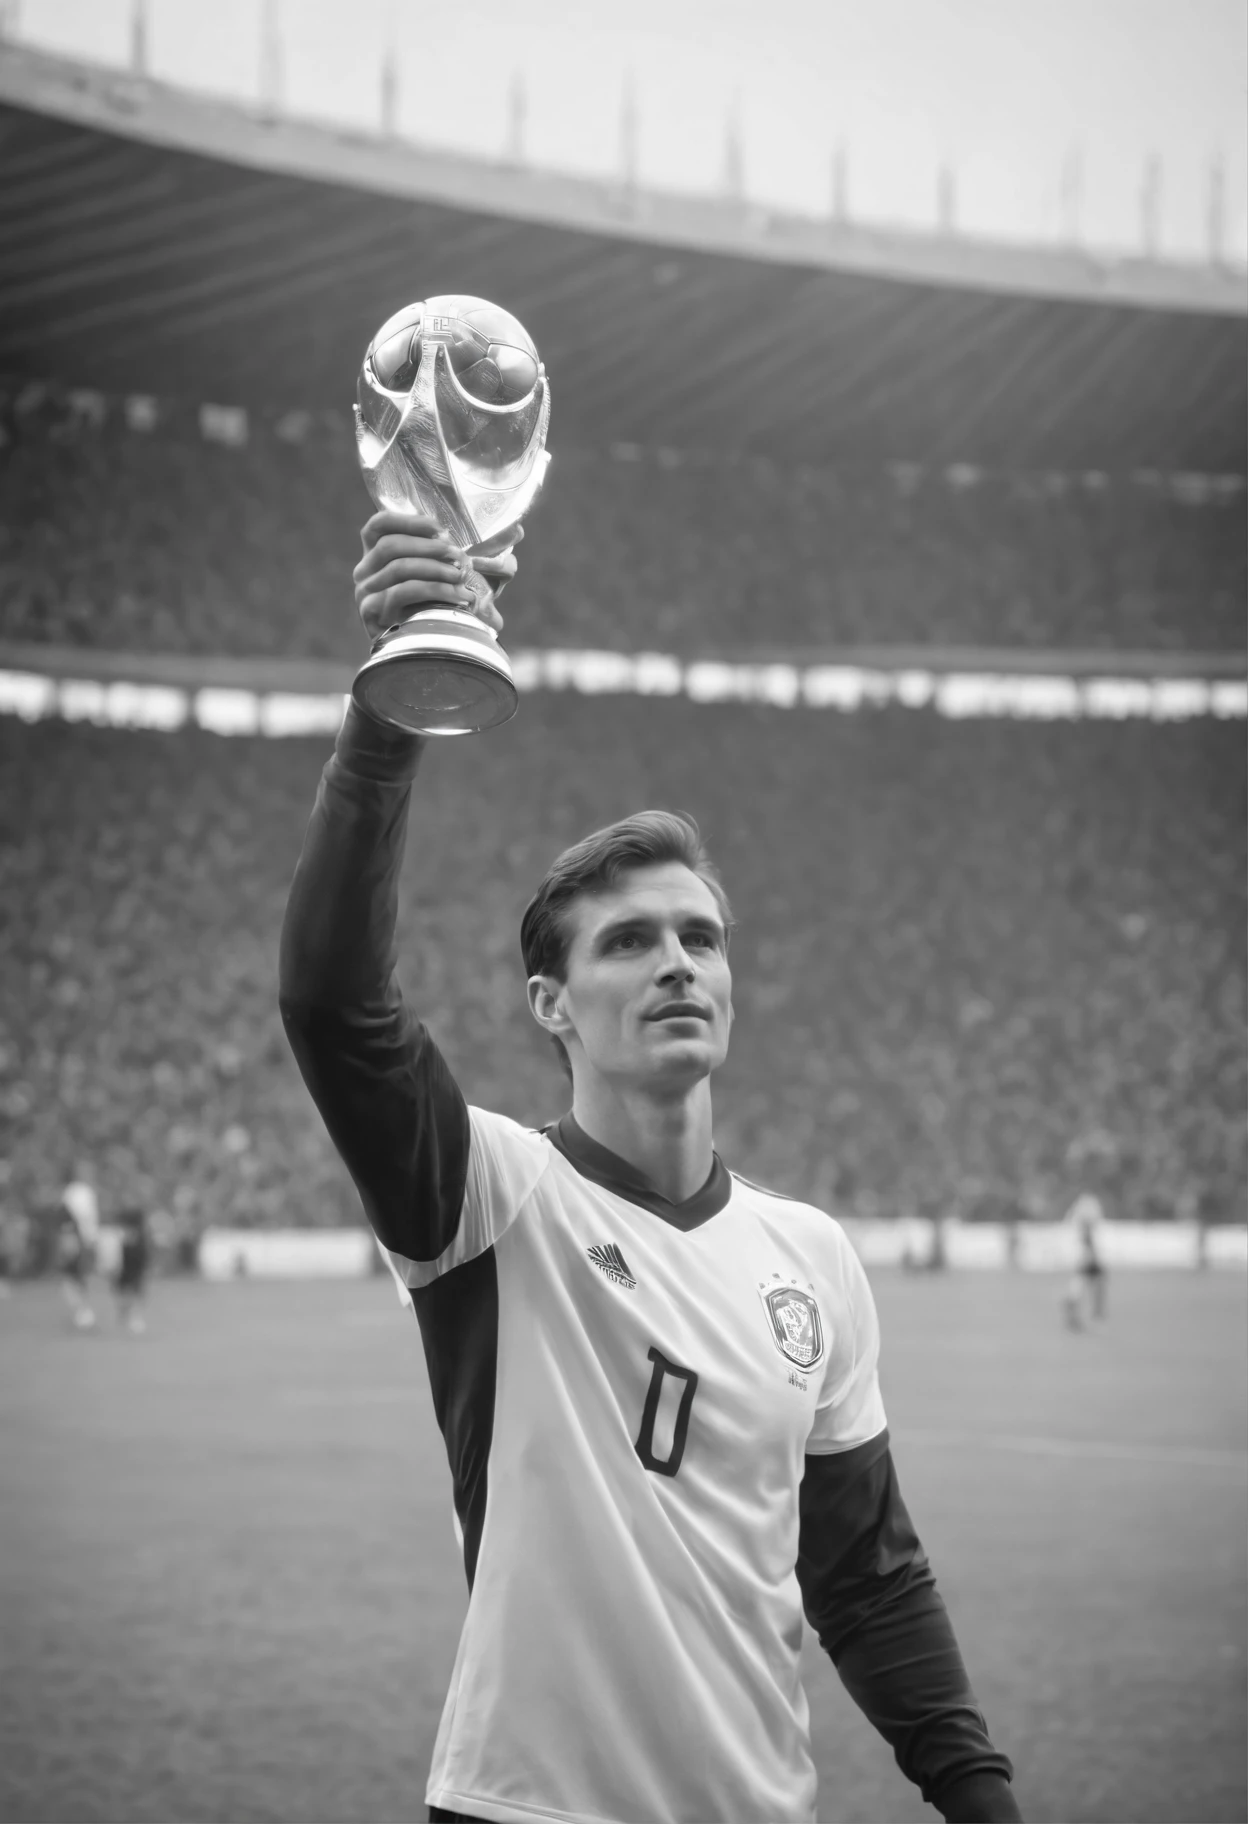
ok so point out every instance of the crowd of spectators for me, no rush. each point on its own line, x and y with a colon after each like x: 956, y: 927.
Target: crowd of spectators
x: 161, y: 540
x: 971, y: 957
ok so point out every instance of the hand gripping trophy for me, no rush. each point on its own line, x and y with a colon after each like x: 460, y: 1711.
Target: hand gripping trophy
x: 451, y: 421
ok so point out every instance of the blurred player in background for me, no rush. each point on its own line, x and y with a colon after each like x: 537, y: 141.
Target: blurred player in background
x: 1086, y: 1289
x: 656, y: 1382
x: 133, y: 1264
x: 77, y: 1234
x: 10, y: 1243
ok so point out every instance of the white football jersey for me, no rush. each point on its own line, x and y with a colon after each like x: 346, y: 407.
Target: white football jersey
x: 632, y: 1466
x: 83, y: 1205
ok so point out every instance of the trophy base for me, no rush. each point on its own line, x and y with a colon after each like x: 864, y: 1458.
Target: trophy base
x: 441, y: 673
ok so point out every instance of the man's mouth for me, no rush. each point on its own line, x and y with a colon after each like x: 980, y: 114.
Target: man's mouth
x: 679, y: 1010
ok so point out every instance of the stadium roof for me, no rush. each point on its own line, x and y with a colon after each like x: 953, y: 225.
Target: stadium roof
x: 156, y: 241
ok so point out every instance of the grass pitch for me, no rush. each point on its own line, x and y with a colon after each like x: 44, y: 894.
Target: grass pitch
x: 230, y: 1589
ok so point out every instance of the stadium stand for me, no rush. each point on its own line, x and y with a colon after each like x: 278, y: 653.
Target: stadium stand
x: 973, y: 957
x: 187, y: 545
x: 963, y: 949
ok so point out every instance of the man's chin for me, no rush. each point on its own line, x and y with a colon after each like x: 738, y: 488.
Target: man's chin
x: 673, y: 1061
x: 678, y: 1055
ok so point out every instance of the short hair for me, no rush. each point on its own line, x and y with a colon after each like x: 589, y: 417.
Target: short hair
x: 646, y: 839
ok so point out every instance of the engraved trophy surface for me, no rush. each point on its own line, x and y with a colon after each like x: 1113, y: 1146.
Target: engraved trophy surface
x: 451, y: 420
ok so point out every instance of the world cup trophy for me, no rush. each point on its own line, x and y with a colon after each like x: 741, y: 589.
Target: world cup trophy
x: 451, y: 420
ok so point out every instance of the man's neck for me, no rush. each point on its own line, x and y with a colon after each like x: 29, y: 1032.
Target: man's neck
x: 668, y: 1140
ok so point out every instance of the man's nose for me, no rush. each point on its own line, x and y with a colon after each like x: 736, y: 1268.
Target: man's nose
x: 675, y: 964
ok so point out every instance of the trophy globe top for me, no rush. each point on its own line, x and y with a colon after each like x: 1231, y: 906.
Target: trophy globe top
x: 453, y: 408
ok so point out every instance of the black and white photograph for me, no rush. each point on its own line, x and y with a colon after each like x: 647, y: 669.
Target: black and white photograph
x: 624, y: 908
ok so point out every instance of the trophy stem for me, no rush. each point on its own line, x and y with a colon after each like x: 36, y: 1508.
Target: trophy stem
x: 442, y: 672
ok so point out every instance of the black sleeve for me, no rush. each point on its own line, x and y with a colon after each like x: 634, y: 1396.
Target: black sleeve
x: 384, y: 1091
x: 869, y: 1594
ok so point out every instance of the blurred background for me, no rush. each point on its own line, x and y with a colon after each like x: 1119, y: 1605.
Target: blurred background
x: 896, y: 529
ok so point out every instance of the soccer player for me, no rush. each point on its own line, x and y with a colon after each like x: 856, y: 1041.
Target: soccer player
x: 77, y: 1232
x: 656, y: 1381
x: 8, y: 1253
x: 1086, y: 1288
x: 130, y: 1279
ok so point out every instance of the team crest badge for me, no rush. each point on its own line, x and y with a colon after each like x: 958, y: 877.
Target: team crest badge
x: 796, y: 1327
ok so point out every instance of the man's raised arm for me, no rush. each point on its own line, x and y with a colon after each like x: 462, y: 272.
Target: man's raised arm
x: 384, y: 1091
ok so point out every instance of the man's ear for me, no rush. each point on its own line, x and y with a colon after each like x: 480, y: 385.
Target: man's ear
x: 546, y: 1005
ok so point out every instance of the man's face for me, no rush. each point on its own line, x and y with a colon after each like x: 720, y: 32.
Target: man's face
x: 647, y: 995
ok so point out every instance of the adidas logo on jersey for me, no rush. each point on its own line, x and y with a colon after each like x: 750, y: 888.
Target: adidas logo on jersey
x: 613, y: 1265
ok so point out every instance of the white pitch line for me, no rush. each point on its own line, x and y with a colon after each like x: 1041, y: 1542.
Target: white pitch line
x: 1177, y: 1456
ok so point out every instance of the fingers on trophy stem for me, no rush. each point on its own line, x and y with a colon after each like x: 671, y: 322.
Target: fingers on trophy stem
x: 431, y: 550
x: 387, y: 520
x: 409, y: 565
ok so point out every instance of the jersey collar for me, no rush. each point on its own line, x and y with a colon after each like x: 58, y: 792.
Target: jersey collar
x: 601, y: 1166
